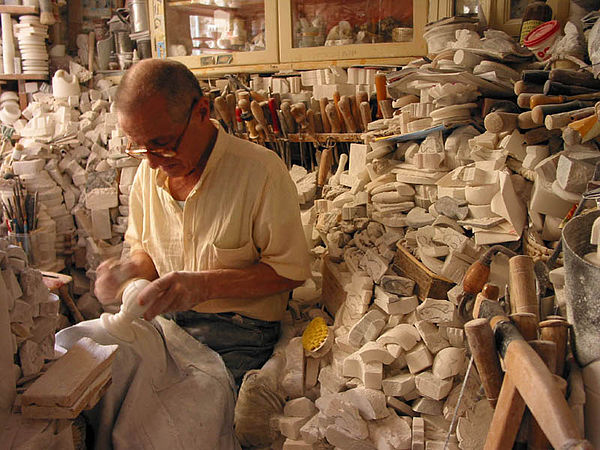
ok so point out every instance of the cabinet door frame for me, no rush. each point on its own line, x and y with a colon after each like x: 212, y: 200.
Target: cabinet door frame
x: 497, y: 13
x: 289, y: 54
x: 268, y: 56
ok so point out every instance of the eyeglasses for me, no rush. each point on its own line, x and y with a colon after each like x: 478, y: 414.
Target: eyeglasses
x: 140, y: 151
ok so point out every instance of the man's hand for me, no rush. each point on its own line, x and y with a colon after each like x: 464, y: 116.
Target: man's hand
x: 110, y: 276
x: 176, y: 291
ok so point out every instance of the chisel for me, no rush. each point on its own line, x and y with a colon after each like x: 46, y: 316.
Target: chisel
x: 381, y: 90
x: 332, y: 115
x: 346, y: 111
x: 223, y: 110
x: 555, y: 88
x: 244, y: 105
x: 336, y: 101
x: 539, y: 113
x: 541, y: 99
x: 323, y: 102
x: 576, y: 78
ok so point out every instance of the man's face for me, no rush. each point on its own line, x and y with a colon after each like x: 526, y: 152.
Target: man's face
x: 153, y: 128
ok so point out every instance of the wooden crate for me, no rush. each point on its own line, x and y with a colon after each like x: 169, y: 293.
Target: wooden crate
x: 429, y: 285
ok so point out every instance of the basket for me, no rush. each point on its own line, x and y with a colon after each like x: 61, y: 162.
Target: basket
x: 534, y: 246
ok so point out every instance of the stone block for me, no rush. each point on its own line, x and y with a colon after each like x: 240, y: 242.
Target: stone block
x: 449, y: 362
x: 370, y: 403
x: 403, y: 334
x: 419, y: 358
x: 391, y: 433
x: 431, y: 386
x: 367, y: 328
x: 399, y: 385
x: 397, y: 285
x: 290, y: 426
x: 300, y: 407
x: 436, y: 311
x: 430, y: 335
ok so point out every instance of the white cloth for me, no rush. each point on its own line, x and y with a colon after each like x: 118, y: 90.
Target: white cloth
x: 243, y: 210
x: 168, y: 390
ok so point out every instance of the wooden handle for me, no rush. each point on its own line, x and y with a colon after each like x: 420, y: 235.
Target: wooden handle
x: 561, y: 120
x: 319, y: 122
x: 323, y: 102
x: 525, y: 121
x: 231, y: 104
x: 311, y: 127
x: 290, y: 123
x: 555, y: 88
x: 497, y: 122
x: 577, y: 78
x: 541, y: 99
x: 507, y: 417
x: 386, y: 108
x: 523, y: 296
x: 584, y: 126
x: 298, y: 112
x: 537, y: 136
x: 524, y: 100
x: 91, y: 48
x: 483, y: 348
x: 223, y: 110
x: 332, y: 115
x: 365, y: 114
x: 244, y: 104
x: 535, y: 76
x: 544, y: 398
x: 355, y: 113
x: 557, y: 331
x: 381, y: 90
x: 345, y: 109
x: 540, y: 112
x: 475, y: 278
x: 361, y: 96
x: 336, y: 102
x: 257, y: 96
x: 324, y: 166
x: 536, y: 439
x: 527, y: 325
x: 521, y: 87
x: 242, y: 94
x: 258, y: 113
x: 261, y: 131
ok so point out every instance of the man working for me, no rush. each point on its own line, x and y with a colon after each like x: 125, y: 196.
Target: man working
x: 213, y: 221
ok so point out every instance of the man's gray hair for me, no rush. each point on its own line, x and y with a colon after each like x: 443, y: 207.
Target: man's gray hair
x: 152, y: 77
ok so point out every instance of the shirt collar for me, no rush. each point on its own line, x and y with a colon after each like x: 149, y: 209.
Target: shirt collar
x: 221, y: 144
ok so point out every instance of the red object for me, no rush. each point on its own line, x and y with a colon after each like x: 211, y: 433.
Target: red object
x: 541, y: 33
x: 274, y: 119
x: 238, y: 114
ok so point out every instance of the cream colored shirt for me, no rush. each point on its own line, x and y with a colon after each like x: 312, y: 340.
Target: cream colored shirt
x: 243, y: 210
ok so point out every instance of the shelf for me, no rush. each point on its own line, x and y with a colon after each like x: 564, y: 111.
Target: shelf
x: 202, y: 9
x: 18, y: 10
x: 324, y: 137
x: 23, y: 76
x: 220, y: 70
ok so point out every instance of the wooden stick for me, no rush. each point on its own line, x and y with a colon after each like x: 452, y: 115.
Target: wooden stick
x: 522, y: 87
x: 334, y: 120
x: 527, y: 325
x: 483, y: 348
x: 365, y: 114
x: 336, y: 102
x: 381, y: 90
x: 525, y: 121
x: 536, y: 439
x: 345, y: 109
x: 507, y: 418
x: 557, y: 331
x: 323, y: 102
x: 355, y: 113
x: 523, y: 297
x: 561, y: 120
x: 497, y: 122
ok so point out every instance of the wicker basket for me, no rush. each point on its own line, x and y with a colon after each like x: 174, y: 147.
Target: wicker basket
x: 534, y: 246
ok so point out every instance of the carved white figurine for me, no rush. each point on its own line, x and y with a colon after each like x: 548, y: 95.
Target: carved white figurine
x: 594, y: 257
x: 119, y: 325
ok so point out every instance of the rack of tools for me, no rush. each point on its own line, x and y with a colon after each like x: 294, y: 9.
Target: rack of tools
x: 21, y: 214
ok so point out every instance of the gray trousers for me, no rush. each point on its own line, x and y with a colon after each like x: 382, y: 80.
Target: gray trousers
x: 243, y: 343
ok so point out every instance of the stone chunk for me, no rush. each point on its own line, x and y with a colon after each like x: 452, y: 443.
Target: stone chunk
x: 370, y: 402
x: 344, y: 416
x: 432, y: 386
x: 418, y: 434
x: 367, y: 328
x: 400, y: 406
x: 300, y: 407
x: 402, y: 334
x: 375, y: 351
x: 391, y: 433
x: 573, y: 174
x: 418, y: 359
x: 397, y: 285
x: 427, y: 406
x: 451, y: 208
x: 291, y: 444
x: 449, y: 362
x: 399, y: 385
x: 431, y: 336
x: 436, y: 311
x: 290, y: 426
x: 343, y: 439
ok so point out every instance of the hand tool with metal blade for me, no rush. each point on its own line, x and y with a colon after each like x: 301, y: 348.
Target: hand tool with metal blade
x: 345, y: 109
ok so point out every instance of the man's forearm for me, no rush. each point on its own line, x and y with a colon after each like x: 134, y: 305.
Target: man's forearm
x: 258, y: 280
x: 140, y: 265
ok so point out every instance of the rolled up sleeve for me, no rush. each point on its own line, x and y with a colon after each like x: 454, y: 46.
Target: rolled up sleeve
x: 278, y: 231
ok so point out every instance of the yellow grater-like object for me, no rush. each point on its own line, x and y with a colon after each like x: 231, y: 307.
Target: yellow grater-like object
x: 315, y: 335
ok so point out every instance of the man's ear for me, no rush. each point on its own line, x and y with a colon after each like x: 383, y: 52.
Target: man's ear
x: 203, y: 107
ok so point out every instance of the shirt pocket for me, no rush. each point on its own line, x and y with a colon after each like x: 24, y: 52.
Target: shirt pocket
x: 234, y: 258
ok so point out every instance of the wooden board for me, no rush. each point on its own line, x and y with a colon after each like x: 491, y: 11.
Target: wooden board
x: 333, y: 293
x: 429, y: 285
x: 88, y: 400
x: 71, y: 375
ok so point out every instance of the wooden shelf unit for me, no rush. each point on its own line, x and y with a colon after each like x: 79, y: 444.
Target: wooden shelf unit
x: 18, y: 10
